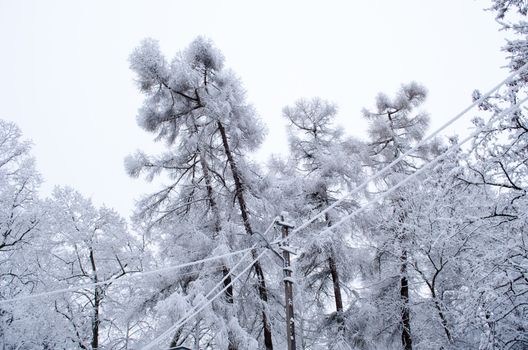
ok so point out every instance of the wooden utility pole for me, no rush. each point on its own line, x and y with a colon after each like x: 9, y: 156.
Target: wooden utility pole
x: 288, y: 284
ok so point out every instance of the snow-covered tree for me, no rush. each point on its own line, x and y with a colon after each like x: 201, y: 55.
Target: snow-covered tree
x: 86, y: 245
x: 395, y: 127
x: 19, y: 182
x: 19, y: 225
x: 498, y: 164
x: 325, y: 164
x: 198, y: 108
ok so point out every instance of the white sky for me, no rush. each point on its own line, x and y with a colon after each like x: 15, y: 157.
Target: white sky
x: 64, y: 76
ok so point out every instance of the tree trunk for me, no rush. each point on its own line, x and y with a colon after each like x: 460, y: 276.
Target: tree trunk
x: 337, y: 293
x: 239, y: 189
x: 335, y: 282
x: 217, y: 228
x: 263, y: 293
x: 443, y: 319
x: 210, y: 197
x: 239, y: 193
x: 175, y: 339
x: 404, y: 297
x: 97, y: 302
x: 438, y: 306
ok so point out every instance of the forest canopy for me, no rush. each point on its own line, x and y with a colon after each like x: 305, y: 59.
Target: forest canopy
x: 399, y: 240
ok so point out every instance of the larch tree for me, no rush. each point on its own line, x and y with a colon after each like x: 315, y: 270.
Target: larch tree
x: 395, y: 127
x: 199, y: 109
x: 326, y: 164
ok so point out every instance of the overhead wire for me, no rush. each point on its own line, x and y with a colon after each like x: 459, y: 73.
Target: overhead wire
x: 385, y: 169
x: 198, y: 308
x: 375, y: 176
x: 409, y: 177
x: 308, y: 222
x: 121, y: 279
x: 127, y: 277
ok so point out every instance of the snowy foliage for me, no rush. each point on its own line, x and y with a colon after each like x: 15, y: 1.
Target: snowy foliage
x: 198, y: 108
x: 439, y: 263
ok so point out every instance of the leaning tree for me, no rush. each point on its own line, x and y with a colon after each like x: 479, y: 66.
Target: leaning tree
x: 199, y: 109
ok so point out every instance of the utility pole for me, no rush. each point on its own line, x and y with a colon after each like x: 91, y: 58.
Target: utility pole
x: 288, y: 282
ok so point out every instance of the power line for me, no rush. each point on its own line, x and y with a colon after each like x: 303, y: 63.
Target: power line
x: 194, y: 311
x: 126, y: 277
x: 197, y: 309
x: 308, y: 222
x: 414, y: 149
x: 122, y: 279
x: 416, y: 173
x: 382, y: 196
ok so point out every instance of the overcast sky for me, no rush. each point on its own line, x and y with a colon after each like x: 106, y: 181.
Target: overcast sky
x: 64, y: 76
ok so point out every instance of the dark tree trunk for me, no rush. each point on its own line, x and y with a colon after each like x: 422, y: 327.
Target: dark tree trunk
x: 217, y: 226
x: 239, y: 189
x: 96, y: 304
x: 96, y: 321
x: 239, y: 193
x: 175, y: 339
x: 335, y: 282
x: 337, y: 293
x: 210, y: 196
x: 217, y: 229
x: 227, y: 283
x: 443, y: 319
x: 438, y: 306
x: 263, y: 293
x: 404, y: 297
